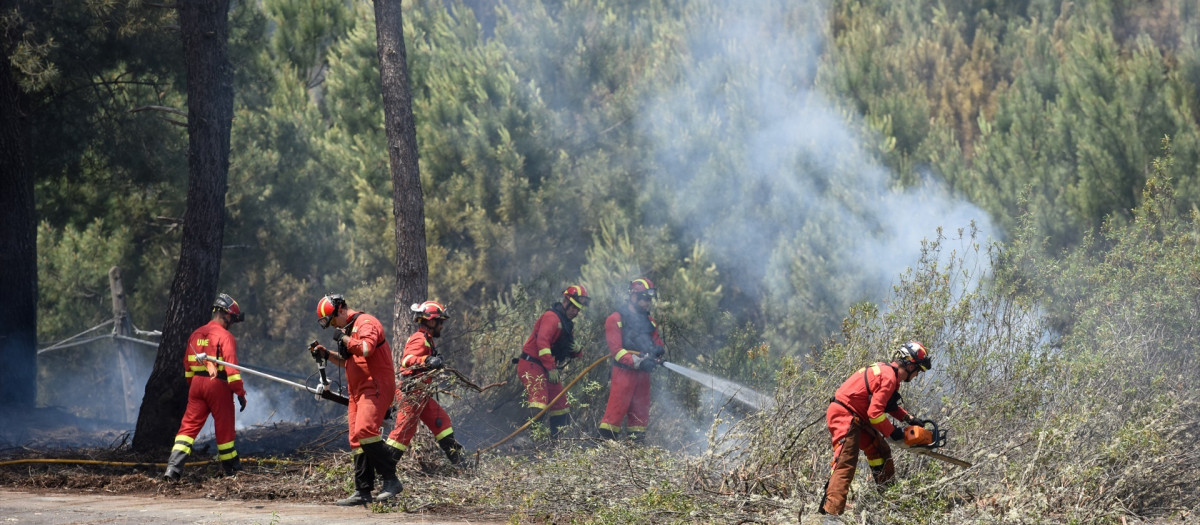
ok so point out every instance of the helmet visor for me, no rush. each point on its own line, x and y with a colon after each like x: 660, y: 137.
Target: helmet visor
x: 324, y: 321
x: 580, y: 301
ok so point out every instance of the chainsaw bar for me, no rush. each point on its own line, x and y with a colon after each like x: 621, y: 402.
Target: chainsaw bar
x: 935, y: 455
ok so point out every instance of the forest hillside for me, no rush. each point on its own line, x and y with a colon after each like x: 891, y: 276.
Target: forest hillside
x: 808, y: 183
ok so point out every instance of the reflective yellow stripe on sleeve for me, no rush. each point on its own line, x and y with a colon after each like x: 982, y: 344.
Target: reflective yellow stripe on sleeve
x: 544, y: 351
x: 620, y: 353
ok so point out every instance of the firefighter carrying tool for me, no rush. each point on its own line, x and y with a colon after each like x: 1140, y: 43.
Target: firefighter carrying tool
x: 857, y: 419
x: 417, y: 404
x: 362, y: 348
x: 550, y: 346
x: 211, y: 388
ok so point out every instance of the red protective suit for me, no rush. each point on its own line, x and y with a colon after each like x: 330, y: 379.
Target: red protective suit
x: 415, y: 403
x: 857, y: 419
x: 629, y: 391
x: 211, y: 388
x: 537, y: 360
x: 370, y: 376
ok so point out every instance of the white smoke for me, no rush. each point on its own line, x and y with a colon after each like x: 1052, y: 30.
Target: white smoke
x: 762, y: 167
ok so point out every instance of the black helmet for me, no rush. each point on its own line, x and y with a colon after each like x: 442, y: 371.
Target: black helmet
x: 225, y: 303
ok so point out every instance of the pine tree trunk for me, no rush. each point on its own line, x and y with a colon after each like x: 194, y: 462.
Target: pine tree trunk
x: 18, y: 236
x: 204, y: 25
x: 408, y: 202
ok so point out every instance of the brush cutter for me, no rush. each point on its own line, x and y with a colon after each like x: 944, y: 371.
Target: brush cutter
x: 321, y: 391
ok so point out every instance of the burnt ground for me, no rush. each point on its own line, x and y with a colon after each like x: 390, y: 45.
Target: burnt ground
x: 57, y: 468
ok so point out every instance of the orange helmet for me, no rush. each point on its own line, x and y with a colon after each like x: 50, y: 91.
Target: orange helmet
x: 642, y: 287
x: 578, y: 296
x: 327, y: 308
x: 226, y: 304
x: 914, y: 352
x: 431, y: 310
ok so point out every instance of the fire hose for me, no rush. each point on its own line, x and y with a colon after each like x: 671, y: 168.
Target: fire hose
x: 548, y: 405
x: 133, y: 463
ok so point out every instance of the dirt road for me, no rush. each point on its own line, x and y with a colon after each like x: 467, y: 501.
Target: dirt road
x: 59, y: 508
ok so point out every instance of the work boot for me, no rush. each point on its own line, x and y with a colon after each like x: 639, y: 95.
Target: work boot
x: 175, y: 465
x: 391, y: 487
x: 454, y: 451
x: 557, y: 423
x: 358, y: 498
x: 608, y: 434
x: 395, y: 453
x: 232, y: 466
x: 364, y: 480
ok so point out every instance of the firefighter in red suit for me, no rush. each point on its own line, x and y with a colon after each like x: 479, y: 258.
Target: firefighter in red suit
x: 636, y: 348
x: 211, y: 388
x: 416, y: 402
x: 551, y: 345
x: 363, y: 350
x: 857, y: 419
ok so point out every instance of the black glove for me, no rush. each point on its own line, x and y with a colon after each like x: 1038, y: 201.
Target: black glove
x: 434, y: 362
x: 319, y: 353
x: 644, y: 363
x: 897, y: 434
x: 242, y: 401
x: 916, y: 422
x: 659, y: 351
x: 339, y: 338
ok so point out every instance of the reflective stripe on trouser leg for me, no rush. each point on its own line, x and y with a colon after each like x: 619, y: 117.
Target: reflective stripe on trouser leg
x: 395, y: 449
x: 879, y: 457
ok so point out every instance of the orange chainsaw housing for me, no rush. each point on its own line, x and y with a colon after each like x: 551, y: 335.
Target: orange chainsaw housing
x: 915, y: 436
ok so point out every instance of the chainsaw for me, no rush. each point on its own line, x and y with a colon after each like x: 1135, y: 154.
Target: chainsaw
x: 920, y: 439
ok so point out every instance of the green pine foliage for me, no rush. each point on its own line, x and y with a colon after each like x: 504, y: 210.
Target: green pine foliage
x: 599, y: 141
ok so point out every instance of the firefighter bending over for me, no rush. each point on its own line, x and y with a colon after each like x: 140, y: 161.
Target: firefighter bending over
x: 363, y: 350
x: 416, y: 401
x: 211, y: 388
x: 857, y: 419
x: 636, y: 348
x: 550, y: 346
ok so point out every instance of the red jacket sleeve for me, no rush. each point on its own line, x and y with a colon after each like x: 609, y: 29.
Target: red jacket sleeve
x: 546, y: 332
x: 365, y: 336
x: 416, y: 351
x: 228, y: 351
x: 657, y: 338
x: 884, y: 385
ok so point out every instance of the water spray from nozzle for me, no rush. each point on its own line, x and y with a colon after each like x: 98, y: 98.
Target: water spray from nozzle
x: 738, y: 392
